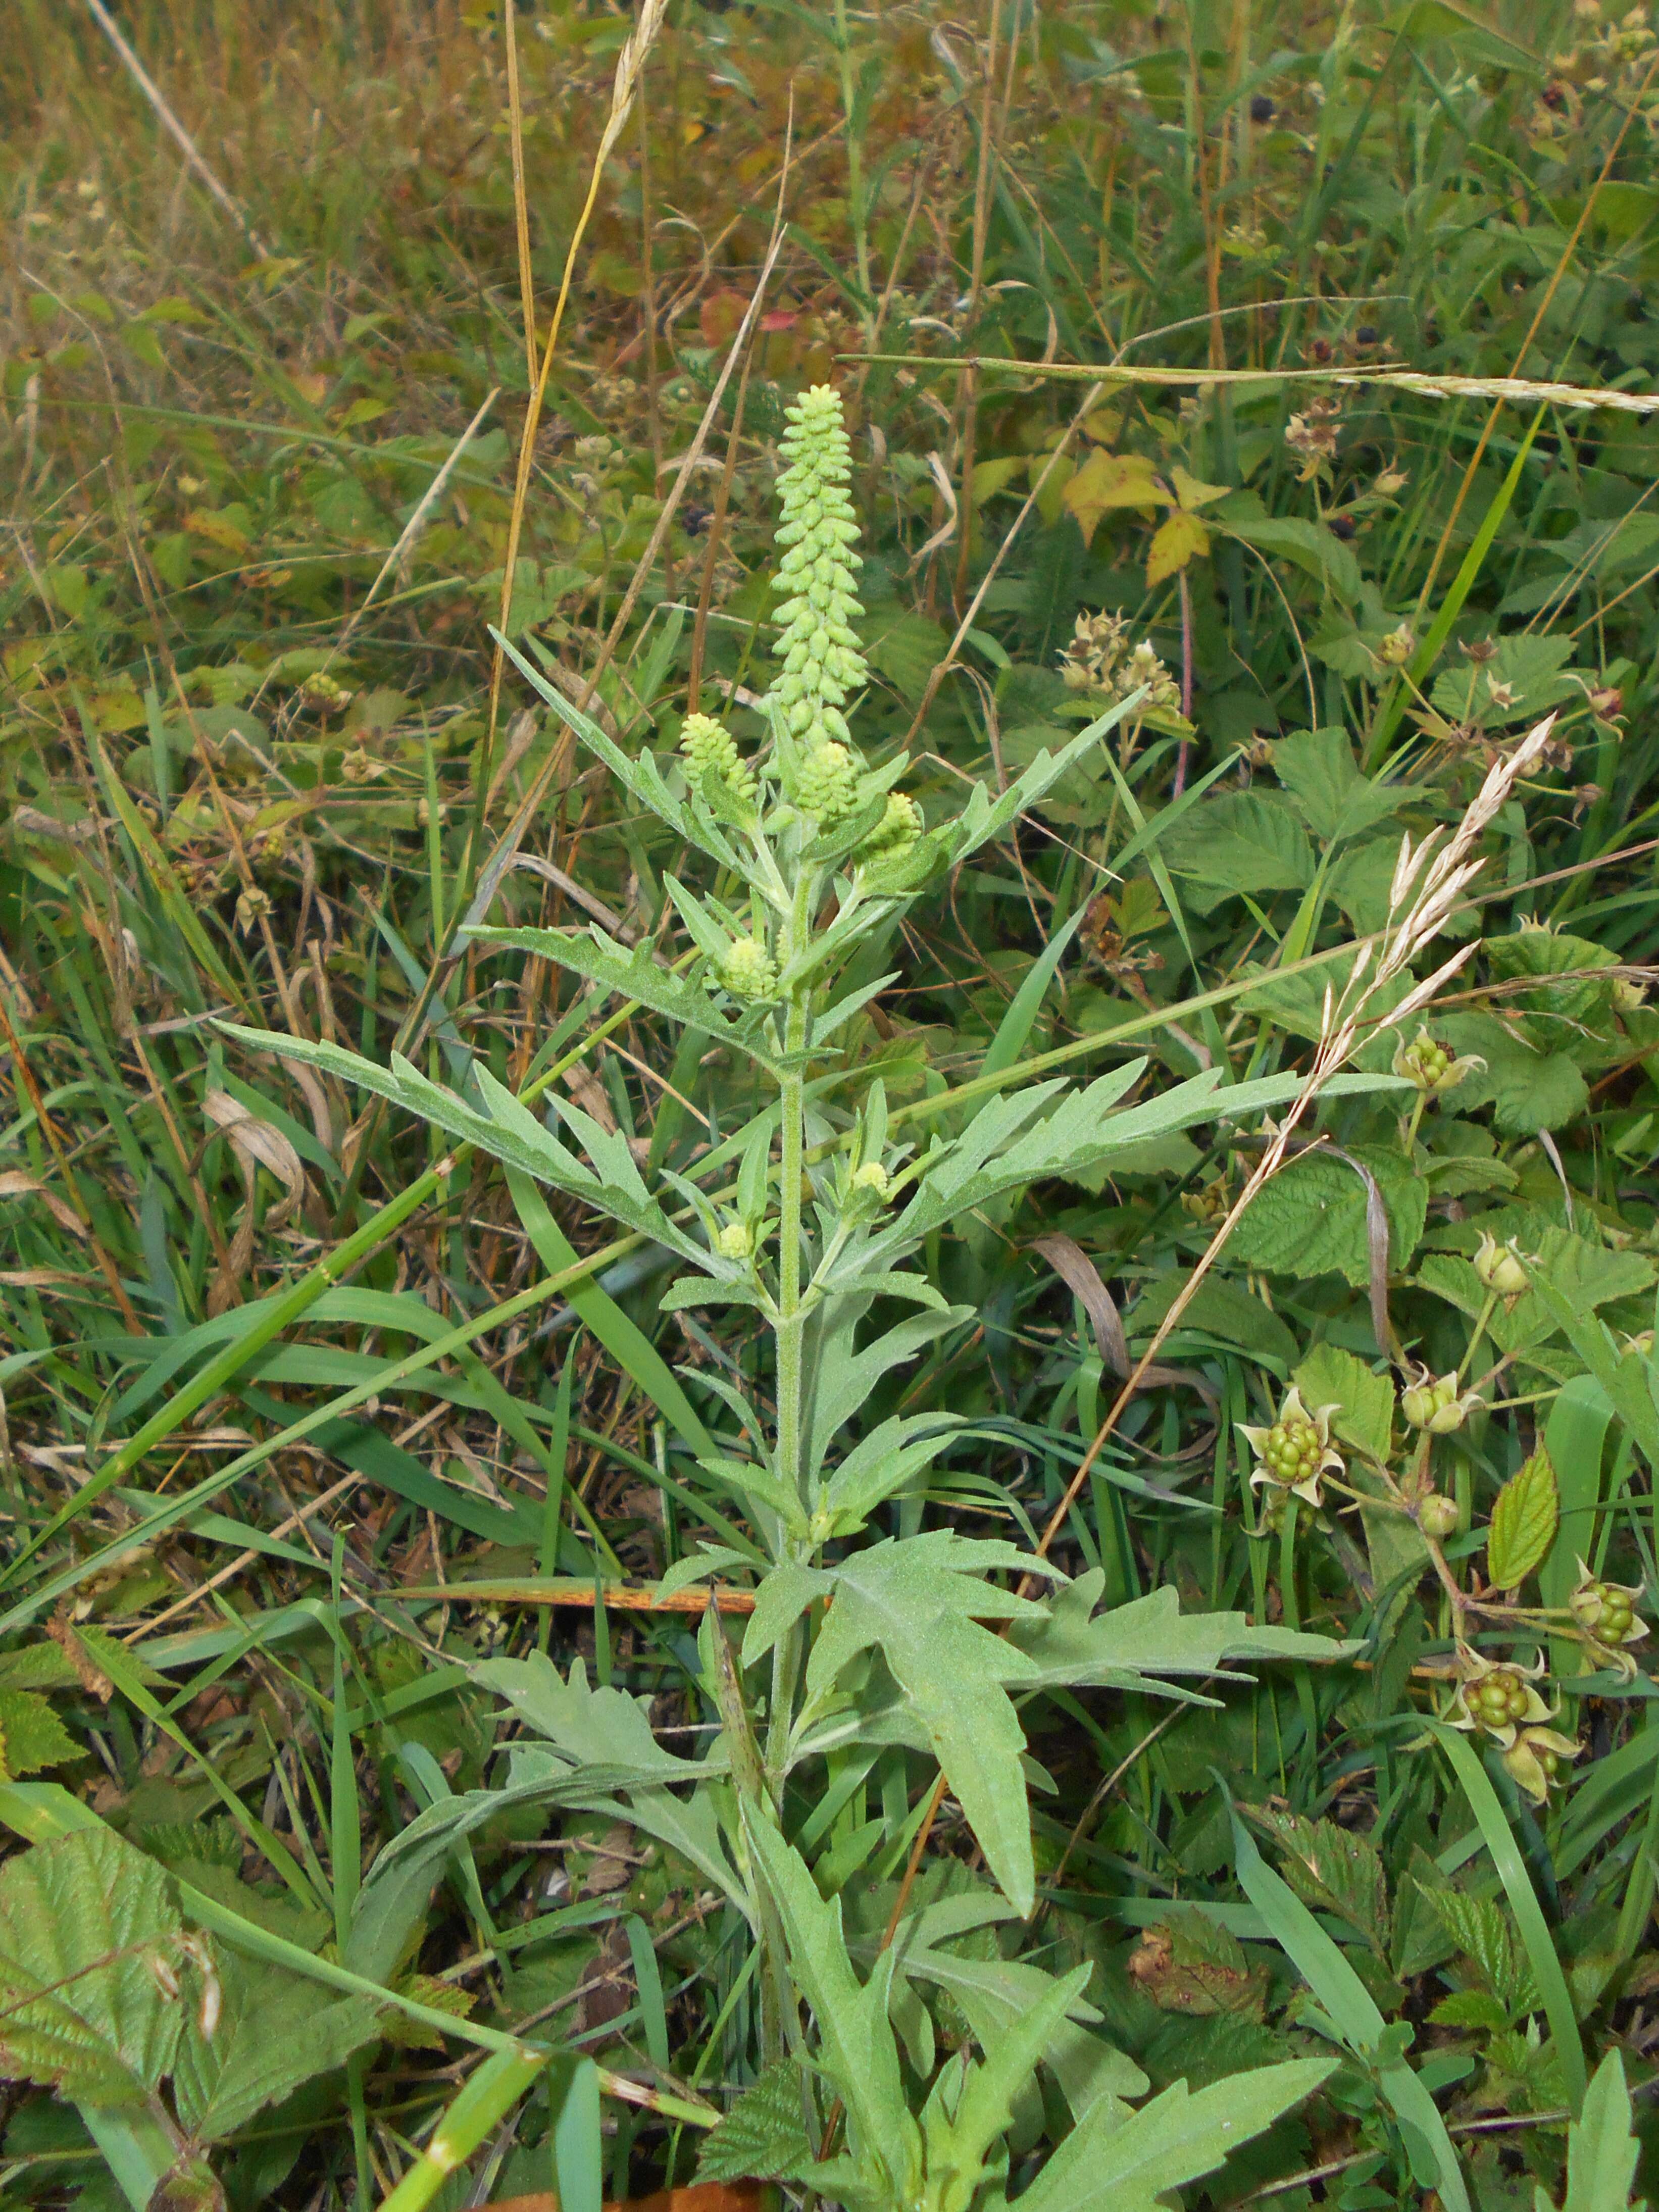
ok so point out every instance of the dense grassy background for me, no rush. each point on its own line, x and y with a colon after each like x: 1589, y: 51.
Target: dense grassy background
x: 249, y: 768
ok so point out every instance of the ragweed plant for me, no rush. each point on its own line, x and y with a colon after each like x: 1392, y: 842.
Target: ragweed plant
x: 817, y: 1216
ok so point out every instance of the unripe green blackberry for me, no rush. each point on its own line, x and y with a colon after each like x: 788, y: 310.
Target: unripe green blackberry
x: 1497, y: 1700
x: 1437, y: 1516
x: 1293, y: 1451
x: 1605, y: 1609
x: 749, y: 970
x: 1431, y: 1065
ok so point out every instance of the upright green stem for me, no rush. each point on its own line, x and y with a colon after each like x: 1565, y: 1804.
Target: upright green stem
x: 792, y: 1321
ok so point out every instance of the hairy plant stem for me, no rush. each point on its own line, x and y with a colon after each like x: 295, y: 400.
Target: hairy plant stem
x: 792, y: 1323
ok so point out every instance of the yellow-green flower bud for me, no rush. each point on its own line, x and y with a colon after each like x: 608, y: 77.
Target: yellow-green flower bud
x: 736, y: 1240
x: 897, y: 830
x: 1398, y: 647
x: 710, y: 748
x: 827, y: 782
x: 1499, y: 1268
x: 749, y: 970
x: 872, y: 1176
x: 1431, y: 1065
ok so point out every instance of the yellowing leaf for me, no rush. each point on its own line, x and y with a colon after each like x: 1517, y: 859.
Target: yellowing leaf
x: 1190, y: 492
x: 1102, y: 428
x: 1109, y: 480
x: 1051, y: 496
x: 1174, y: 544
x: 220, y: 528
x: 992, y: 476
x: 1522, y: 1526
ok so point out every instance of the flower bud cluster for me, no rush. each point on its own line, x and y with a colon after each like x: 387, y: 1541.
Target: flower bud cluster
x: 749, y: 970
x: 710, y: 750
x: 897, y: 830
x: 826, y: 783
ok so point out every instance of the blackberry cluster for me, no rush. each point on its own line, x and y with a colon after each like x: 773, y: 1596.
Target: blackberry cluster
x: 1497, y: 1700
x: 1292, y: 1452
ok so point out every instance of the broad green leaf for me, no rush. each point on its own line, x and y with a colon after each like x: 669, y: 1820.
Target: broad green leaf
x: 763, y: 2136
x: 1336, y: 1869
x: 1524, y: 678
x: 274, y: 2031
x: 1362, y: 1400
x: 31, y: 1735
x: 1318, y: 769
x: 1480, y: 1931
x: 1312, y: 1218
x: 1243, y: 841
x: 1603, y: 2149
x: 1118, y: 2161
x: 1045, y: 1131
x: 1523, y: 1525
x: 1528, y: 1087
x: 93, y: 1988
x: 920, y: 1602
x: 1306, y: 546
x: 1134, y: 1646
x: 616, y: 1765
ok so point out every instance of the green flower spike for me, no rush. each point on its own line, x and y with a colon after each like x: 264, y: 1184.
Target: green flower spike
x: 818, y: 649
x: 896, y: 831
x: 709, y: 749
x: 749, y: 970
